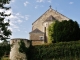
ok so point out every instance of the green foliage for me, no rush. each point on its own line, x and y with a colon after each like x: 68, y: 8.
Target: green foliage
x: 4, y: 50
x: 4, y: 31
x: 65, y: 31
x: 61, y: 50
x: 51, y: 32
x: 5, y: 58
x: 24, y: 49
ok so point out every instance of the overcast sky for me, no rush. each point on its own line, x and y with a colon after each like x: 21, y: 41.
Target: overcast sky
x: 25, y: 12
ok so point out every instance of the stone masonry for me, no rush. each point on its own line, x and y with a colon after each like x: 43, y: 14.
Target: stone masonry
x: 14, y: 53
x: 42, y: 24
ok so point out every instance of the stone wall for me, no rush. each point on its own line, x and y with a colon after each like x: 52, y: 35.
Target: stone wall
x: 14, y: 53
x: 35, y: 36
x: 38, y: 23
x: 37, y: 42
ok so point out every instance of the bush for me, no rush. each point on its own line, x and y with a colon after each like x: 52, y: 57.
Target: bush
x: 64, y: 31
x: 4, y: 50
x: 57, y: 50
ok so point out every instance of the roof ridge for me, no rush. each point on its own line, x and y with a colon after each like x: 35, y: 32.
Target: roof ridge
x: 41, y: 16
x: 46, y: 11
x: 61, y: 14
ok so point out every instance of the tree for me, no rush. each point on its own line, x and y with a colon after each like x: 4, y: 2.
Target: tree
x: 4, y: 50
x: 4, y: 31
x: 65, y: 31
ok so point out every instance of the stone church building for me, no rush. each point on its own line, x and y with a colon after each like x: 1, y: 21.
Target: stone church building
x: 39, y: 34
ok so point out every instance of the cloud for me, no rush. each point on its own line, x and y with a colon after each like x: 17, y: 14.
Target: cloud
x: 49, y: 1
x: 40, y: 1
x: 27, y: 17
x: 20, y: 21
x: 12, y: 1
x: 26, y: 3
x: 1, y: 10
x: 71, y: 2
x: 16, y: 19
x: 13, y: 26
x: 36, y: 6
x: 8, y: 11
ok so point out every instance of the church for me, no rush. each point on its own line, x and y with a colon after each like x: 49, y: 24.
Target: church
x: 39, y: 33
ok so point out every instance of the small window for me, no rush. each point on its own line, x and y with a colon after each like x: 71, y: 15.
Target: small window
x: 41, y: 38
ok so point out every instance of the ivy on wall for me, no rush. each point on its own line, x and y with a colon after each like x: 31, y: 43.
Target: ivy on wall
x: 23, y: 48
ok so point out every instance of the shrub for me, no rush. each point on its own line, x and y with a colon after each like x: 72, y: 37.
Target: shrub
x: 64, y: 31
x: 4, y: 50
x: 56, y: 51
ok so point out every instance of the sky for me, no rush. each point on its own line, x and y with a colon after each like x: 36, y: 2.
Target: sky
x: 25, y: 12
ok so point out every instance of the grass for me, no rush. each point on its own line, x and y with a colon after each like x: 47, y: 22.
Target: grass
x: 5, y: 58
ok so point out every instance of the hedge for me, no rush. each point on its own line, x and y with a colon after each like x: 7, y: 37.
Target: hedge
x: 64, y: 31
x: 62, y: 50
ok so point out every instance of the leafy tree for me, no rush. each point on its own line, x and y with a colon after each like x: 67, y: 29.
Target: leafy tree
x: 4, y: 50
x: 4, y: 31
x: 65, y: 31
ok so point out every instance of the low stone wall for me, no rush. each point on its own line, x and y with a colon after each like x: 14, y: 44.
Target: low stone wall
x: 37, y: 42
x: 14, y: 53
